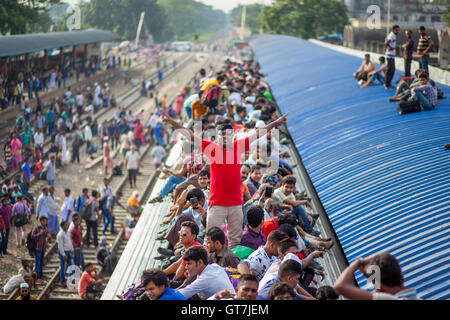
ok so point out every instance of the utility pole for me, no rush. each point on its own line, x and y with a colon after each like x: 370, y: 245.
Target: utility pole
x: 388, y: 17
x: 141, y: 21
x: 244, y: 12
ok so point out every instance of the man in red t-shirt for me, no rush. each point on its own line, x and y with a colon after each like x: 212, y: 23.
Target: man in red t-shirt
x: 224, y: 158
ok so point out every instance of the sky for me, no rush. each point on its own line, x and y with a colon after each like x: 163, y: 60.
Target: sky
x: 225, y: 5
x: 228, y: 5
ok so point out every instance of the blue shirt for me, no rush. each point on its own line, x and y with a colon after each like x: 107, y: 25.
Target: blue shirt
x: 26, y: 171
x: 171, y: 294
x: 80, y: 202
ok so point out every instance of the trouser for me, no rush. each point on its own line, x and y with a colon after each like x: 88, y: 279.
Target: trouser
x: 20, y: 235
x: 408, y: 67
x: 361, y: 75
x: 79, y: 258
x: 390, y: 71
x: 109, y: 220
x: 160, y: 140
x: 423, y: 100
x: 424, y: 61
x: 91, y: 225
x: 88, y: 145
x: 132, y: 176
x: 401, y: 87
x: 300, y: 213
x: 378, y: 77
x: 5, y: 239
x: 79, y: 110
x: 234, y: 218
x: 138, y: 143
x: 64, y: 264
x: 171, y: 183
x: 51, y: 183
x: 306, y: 277
x: 38, y: 262
x: 50, y: 127
x: 76, y: 154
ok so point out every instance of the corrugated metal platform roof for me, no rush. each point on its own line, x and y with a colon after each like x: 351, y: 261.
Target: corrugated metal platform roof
x: 26, y: 43
x: 382, y: 178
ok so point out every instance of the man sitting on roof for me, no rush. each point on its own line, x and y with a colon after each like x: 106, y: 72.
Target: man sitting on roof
x: 379, y: 74
x: 366, y: 67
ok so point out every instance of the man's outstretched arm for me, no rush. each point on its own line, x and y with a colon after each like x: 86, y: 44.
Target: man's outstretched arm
x: 184, y: 131
x: 264, y: 130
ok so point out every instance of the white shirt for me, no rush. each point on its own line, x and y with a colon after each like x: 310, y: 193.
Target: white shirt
x: 132, y: 160
x: 235, y: 96
x: 131, y: 135
x: 392, y: 40
x: 66, y: 207
x: 38, y: 139
x: 153, y: 120
x: 80, y: 100
x: 212, y: 280
x: 158, y: 153
x: 52, y: 207
x: 258, y: 262
x: 276, y: 264
x: 64, y: 242
x: 42, y: 206
x: 106, y: 191
x: 88, y: 133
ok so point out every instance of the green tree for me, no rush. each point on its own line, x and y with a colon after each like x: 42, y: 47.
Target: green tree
x: 122, y: 16
x: 446, y: 17
x: 187, y: 18
x: 252, y: 14
x: 304, y: 18
x: 24, y: 16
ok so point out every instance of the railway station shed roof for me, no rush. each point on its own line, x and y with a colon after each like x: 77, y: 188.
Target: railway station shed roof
x: 382, y: 178
x: 26, y: 43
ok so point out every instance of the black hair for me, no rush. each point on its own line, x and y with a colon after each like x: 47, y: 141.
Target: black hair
x: 280, y: 288
x: 196, y: 253
x: 247, y: 277
x: 42, y: 218
x: 396, y: 27
x: 289, y: 267
x: 390, y: 270
x: 202, y: 72
x: 75, y: 217
x: 240, y: 109
x: 422, y: 28
x: 216, y: 234
x: 255, y: 167
x: 289, y: 180
x: 326, y: 293
x: 276, y: 236
x: 84, y: 190
x: 423, y: 75
x: 67, y: 190
x: 157, y: 276
x: 286, y: 244
x: 197, y: 193
x: 203, y: 173
x: 191, y: 225
x: 289, y: 230
x: 255, y: 216
x: 62, y: 223
x: 287, y: 219
x: 224, y: 126
x: 382, y: 59
x: 94, y: 193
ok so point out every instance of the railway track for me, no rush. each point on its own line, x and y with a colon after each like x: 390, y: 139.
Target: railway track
x: 126, y: 98
x: 52, y: 289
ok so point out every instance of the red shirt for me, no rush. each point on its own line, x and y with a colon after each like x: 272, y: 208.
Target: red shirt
x: 85, y: 279
x: 75, y: 235
x: 195, y: 243
x: 269, y: 226
x: 225, y: 170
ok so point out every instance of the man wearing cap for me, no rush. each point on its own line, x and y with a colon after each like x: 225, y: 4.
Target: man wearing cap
x: 25, y: 292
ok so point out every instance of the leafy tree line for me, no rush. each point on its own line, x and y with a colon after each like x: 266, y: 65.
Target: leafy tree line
x: 299, y: 18
x: 24, y: 16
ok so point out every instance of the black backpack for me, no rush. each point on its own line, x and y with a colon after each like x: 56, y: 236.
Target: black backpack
x: 210, y: 97
x: 117, y: 171
x: 102, y: 202
x: 31, y: 243
x: 86, y: 210
x: 410, y: 106
x: 21, y: 219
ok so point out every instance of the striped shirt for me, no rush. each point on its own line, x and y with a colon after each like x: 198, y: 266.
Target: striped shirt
x: 392, y: 40
x: 424, y: 42
x: 251, y: 239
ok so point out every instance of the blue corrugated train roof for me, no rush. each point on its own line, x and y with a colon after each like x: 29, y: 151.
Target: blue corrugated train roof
x: 382, y: 178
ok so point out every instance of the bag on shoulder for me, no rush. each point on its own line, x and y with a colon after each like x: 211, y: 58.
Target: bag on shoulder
x: 133, y: 291
x: 410, y: 106
x: 117, y: 171
x: 102, y: 202
x: 86, y: 210
x: 21, y: 219
x: 31, y: 243
x: 210, y: 96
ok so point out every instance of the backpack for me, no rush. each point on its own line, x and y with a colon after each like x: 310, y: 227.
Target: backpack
x: 410, y: 106
x: 133, y: 291
x: 117, y: 171
x: 102, y: 202
x: 86, y: 210
x: 31, y: 243
x: 210, y: 96
x: 21, y: 219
